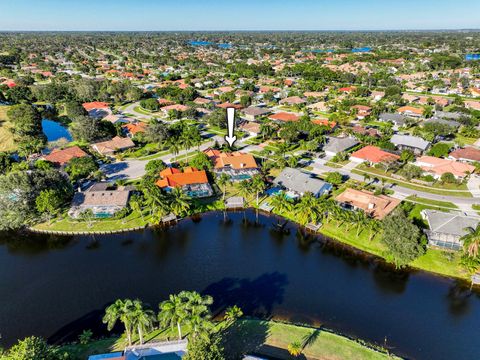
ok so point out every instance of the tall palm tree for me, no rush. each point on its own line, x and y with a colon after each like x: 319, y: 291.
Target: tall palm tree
x: 471, y: 241
x: 174, y: 147
x: 258, y: 185
x: 307, y: 209
x: 232, y: 313
x: 179, y: 201
x: 244, y: 188
x: 223, y: 180
x: 173, y: 313
x: 199, y: 316
x: 120, y: 310
x: 155, y: 199
x: 281, y: 202
x: 361, y: 221
x: 142, y: 318
x: 373, y: 227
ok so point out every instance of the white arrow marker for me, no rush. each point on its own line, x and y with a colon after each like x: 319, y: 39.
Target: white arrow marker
x: 230, y: 137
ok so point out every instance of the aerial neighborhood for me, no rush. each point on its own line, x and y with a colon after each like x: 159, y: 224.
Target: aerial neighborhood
x: 371, y: 141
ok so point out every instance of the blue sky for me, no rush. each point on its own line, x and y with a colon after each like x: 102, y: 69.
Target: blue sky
x: 131, y: 15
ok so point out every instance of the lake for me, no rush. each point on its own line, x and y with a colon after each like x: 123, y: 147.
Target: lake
x: 55, y: 131
x: 57, y: 286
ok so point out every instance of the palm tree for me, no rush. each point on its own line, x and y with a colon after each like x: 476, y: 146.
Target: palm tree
x: 295, y: 348
x: 142, y: 318
x: 281, y: 202
x: 223, y: 180
x: 174, y: 147
x: 244, y: 188
x: 155, y: 199
x: 306, y: 209
x: 173, y: 313
x: 471, y: 241
x: 120, y: 310
x: 373, y: 227
x: 136, y: 204
x: 258, y: 185
x: 197, y: 307
x: 232, y: 313
x: 179, y: 201
x: 361, y: 221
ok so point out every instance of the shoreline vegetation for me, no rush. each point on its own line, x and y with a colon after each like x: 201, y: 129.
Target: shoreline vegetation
x: 260, y: 337
x: 434, y: 261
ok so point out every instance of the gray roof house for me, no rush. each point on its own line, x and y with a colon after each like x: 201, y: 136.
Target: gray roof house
x: 337, y: 145
x: 398, y: 120
x: 451, y: 115
x: 300, y: 182
x: 409, y: 142
x: 252, y: 113
x: 443, y: 121
x: 446, y: 229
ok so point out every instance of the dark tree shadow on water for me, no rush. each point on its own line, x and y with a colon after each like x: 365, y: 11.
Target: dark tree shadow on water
x: 255, y: 297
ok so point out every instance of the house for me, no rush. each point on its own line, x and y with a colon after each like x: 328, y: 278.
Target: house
x: 237, y: 165
x: 410, y: 111
x: 473, y: 105
x: 131, y: 129
x: 111, y: 146
x: 300, y: 183
x: 468, y: 154
x: 202, y: 101
x: 410, y: 98
x: 319, y: 106
x: 60, y: 157
x: 373, y: 155
x: 115, y: 119
x: 252, y: 113
x: 362, y: 111
x: 193, y: 182
x: 152, y: 350
x: 375, y: 206
x: 325, y: 122
x: 97, y: 109
x: 284, y: 116
x: 445, y: 229
x: 174, y: 107
x: 441, y: 121
x: 408, y: 142
x: 358, y: 129
x: 437, y: 167
x: 102, y: 199
x: 292, y: 100
x: 251, y: 128
x: 377, y: 95
x: 337, y: 145
x: 398, y: 120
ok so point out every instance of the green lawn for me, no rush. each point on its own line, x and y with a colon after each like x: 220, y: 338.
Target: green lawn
x: 67, y: 224
x: 268, y: 338
x: 6, y: 138
x: 460, y: 190
x: 433, y: 203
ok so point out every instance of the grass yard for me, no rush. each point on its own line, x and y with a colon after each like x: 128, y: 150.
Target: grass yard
x: 133, y: 220
x: 268, y: 338
x: 432, y: 203
x: 6, y: 138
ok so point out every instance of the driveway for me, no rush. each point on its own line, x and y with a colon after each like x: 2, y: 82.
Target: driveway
x: 134, y: 169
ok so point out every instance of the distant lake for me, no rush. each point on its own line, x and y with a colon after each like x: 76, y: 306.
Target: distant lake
x: 209, y: 43
x: 55, y: 131
x: 362, y: 49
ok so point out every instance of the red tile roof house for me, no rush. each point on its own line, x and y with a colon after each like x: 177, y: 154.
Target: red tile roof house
x: 373, y: 155
x: 410, y: 111
x: 375, y: 206
x: 194, y: 183
x: 474, y: 105
x: 97, y: 109
x: 250, y: 127
x: 111, y: 146
x: 293, y: 100
x: 437, y: 167
x: 131, y: 129
x: 176, y: 107
x: 62, y: 157
x: 284, y: 116
x: 229, y: 105
x: 362, y: 111
x: 468, y: 154
x: 239, y: 166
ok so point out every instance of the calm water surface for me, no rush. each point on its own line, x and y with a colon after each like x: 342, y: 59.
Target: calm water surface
x: 55, y: 287
x: 55, y: 131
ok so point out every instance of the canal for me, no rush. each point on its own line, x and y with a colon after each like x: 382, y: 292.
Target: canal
x: 57, y: 286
